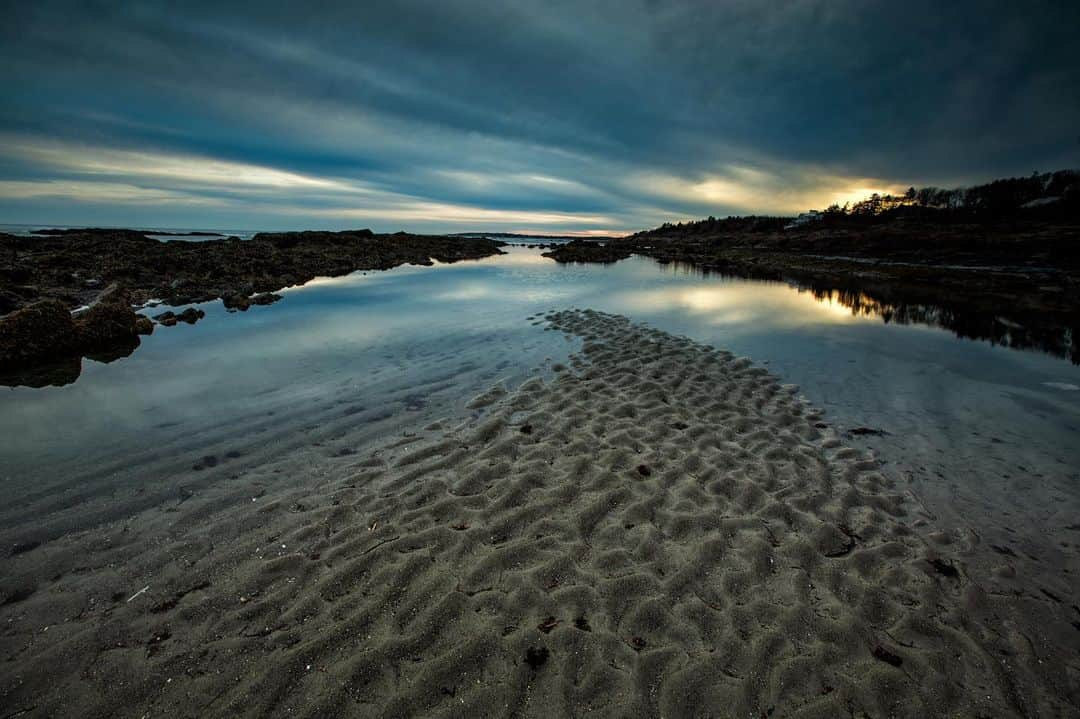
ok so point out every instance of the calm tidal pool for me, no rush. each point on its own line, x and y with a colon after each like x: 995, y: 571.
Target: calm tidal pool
x: 984, y: 434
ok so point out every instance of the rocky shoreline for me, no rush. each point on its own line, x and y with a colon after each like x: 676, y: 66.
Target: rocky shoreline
x: 1014, y: 283
x: 43, y: 279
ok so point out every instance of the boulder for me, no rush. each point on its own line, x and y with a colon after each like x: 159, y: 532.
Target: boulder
x: 38, y: 333
x: 166, y: 319
x: 109, y: 322
x: 588, y: 251
x: 170, y: 318
x: 191, y: 315
x: 266, y: 298
x: 236, y: 302
x: 9, y: 301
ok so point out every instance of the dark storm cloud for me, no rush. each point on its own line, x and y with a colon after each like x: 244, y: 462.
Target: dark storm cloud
x: 606, y: 115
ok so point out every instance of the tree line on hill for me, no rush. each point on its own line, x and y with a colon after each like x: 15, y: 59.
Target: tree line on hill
x: 1040, y: 196
x: 1048, y: 194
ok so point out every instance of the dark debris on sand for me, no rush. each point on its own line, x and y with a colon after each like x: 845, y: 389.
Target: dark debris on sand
x: 944, y: 568
x: 536, y: 658
x: 23, y: 547
x: 866, y: 431
x: 548, y: 624
x: 882, y: 653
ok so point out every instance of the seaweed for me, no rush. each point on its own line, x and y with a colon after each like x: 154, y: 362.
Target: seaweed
x: 883, y: 654
x: 536, y: 658
x: 944, y: 568
x: 861, y: 431
x: 23, y: 547
x: 548, y: 624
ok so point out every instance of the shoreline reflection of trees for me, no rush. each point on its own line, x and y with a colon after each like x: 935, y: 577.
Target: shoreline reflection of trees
x: 1052, y: 333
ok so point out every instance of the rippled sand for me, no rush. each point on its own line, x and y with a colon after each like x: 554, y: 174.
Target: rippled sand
x: 661, y: 530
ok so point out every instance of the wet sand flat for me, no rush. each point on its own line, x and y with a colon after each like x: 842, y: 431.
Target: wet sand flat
x: 662, y: 529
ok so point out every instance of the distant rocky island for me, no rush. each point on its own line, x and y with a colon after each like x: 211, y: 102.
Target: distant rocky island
x: 514, y: 236
x: 101, y: 230
x: 66, y: 294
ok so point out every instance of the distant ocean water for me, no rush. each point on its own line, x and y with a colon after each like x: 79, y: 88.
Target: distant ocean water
x: 191, y: 233
x: 168, y: 233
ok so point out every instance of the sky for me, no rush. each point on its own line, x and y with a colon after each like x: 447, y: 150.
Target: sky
x: 600, y: 117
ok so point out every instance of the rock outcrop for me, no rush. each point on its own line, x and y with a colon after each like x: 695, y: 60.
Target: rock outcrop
x: 170, y: 318
x: 43, y: 278
x: 179, y: 272
x: 108, y: 323
x: 43, y: 343
x: 588, y: 251
x: 36, y: 334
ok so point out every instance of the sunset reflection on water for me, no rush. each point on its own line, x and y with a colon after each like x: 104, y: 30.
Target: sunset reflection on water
x: 357, y: 334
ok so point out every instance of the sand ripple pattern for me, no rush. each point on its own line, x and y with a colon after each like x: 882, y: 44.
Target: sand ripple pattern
x: 663, y: 530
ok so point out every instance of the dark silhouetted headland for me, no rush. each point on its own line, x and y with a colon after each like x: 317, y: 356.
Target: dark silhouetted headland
x: 998, y: 261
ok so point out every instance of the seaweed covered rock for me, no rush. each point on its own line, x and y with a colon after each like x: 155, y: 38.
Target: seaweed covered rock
x: 191, y: 315
x: 180, y: 272
x: 170, y: 318
x: 42, y: 343
x: 167, y: 319
x: 109, y: 322
x: 588, y: 251
x: 69, y: 267
x: 39, y: 333
x: 265, y: 298
x: 243, y: 302
x: 235, y: 302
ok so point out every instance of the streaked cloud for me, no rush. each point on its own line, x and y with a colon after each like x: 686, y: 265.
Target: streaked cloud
x: 748, y: 190
x: 179, y: 180
x: 97, y: 192
x: 162, y: 167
